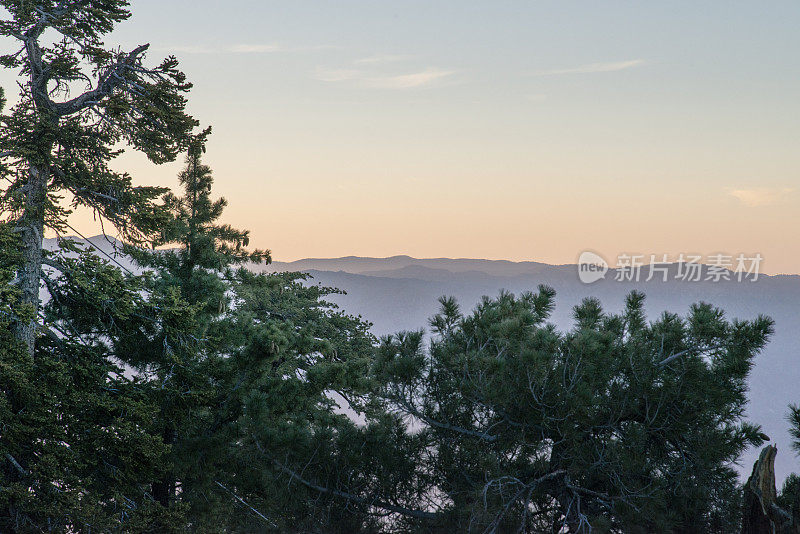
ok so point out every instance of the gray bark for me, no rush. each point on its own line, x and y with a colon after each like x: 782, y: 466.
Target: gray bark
x: 32, y: 229
x: 31, y: 225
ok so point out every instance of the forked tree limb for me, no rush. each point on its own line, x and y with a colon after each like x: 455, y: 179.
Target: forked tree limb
x: 110, y: 80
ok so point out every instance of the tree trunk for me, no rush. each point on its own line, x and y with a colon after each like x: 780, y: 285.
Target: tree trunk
x: 32, y: 228
x: 761, y: 515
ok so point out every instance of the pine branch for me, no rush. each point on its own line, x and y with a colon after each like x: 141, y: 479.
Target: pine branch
x: 411, y: 410
x: 259, y: 514
x: 16, y: 465
x: 108, y: 83
x: 373, y: 502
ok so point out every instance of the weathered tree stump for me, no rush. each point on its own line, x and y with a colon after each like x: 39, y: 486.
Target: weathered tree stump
x: 761, y: 514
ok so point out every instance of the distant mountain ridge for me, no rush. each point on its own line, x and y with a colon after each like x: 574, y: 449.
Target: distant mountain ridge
x: 362, y: 265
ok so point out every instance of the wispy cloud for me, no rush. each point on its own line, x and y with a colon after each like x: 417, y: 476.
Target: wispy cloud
x: 336, y: 75
x: 612, y: 66
x: 256, y: 48
x: 427, y: 77
x: 424, y: 78
x: 188, y: 49
x: 761, y: 196
x: 382, y: 59
x: 241, y: 49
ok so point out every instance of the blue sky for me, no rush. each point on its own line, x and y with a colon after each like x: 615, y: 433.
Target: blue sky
x: 503, y: 129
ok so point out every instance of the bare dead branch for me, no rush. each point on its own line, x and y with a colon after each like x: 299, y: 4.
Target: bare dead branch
x: 673, y: 357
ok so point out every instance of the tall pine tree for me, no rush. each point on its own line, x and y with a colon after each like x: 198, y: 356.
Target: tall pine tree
x: 191, y: 276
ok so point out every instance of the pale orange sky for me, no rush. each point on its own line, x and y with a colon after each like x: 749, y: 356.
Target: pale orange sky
x: 506, y: 130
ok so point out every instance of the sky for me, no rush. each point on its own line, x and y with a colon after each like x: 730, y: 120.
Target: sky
x: 520, y: 130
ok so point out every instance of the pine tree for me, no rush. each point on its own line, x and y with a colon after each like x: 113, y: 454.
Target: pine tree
x: 241, y: 368
x: 190, y: 289
x: 55, y: 143
x: 794, y: 428
x: 788, y: 500
x: 201, y: 249
x: 618, y: 425
x: 75, y: 457
x: 291, y: 361
x: 77, y: 454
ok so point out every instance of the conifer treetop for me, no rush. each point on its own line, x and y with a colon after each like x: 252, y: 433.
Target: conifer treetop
x: 80, y: 101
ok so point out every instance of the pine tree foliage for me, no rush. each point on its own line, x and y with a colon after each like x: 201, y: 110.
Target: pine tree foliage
x: 794, y: 428
x: 188, y: 292
x: 289, y: 353
x: 789, y: 497
x: 77, y: 454
x: 80, y: 101
x: 238, y: 364
x: 200, y: 253
x: 619, y: 425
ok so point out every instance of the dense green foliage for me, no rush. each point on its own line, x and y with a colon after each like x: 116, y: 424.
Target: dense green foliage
x: 789, y: 496
x: 619, y: 424
x: 243, y: 366
x: 73, y: 421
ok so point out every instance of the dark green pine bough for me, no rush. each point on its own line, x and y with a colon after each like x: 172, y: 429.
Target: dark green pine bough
x: 194, y: 394
x: 618, y: 425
